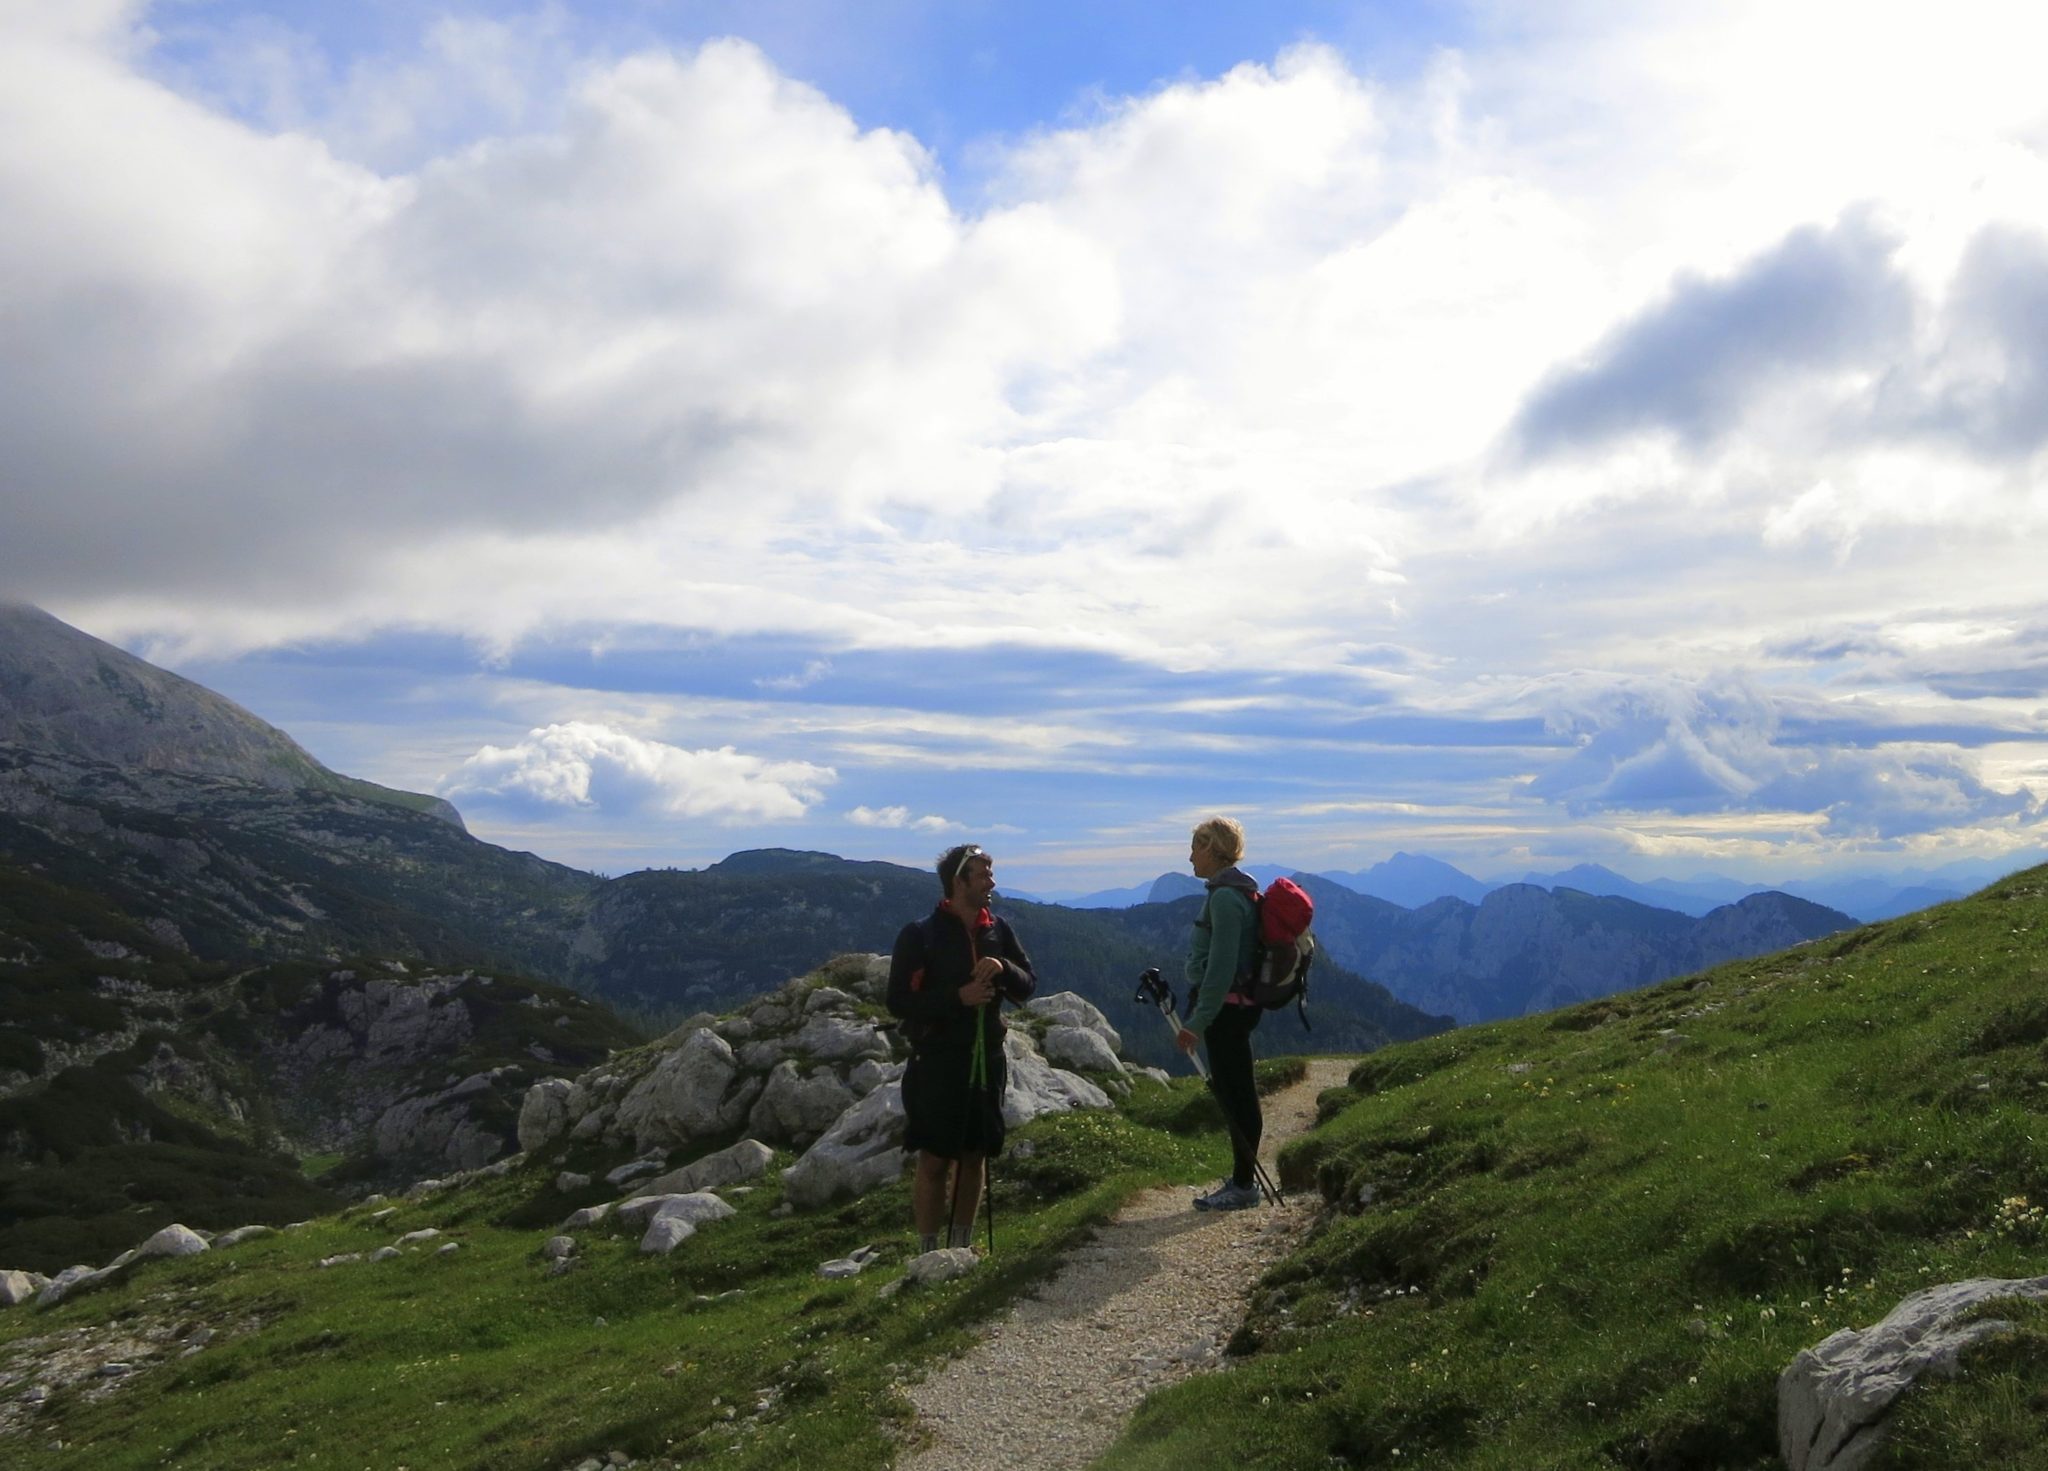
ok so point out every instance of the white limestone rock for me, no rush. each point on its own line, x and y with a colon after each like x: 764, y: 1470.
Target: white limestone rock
x: 632, y: 1170
x: 851, y: 1265
x: 867, y: 1075
x: 240, y: 1234
x: 747, y: 1160
x: 862, y: 1149
x: 665, y: 1234
x: 831, y: 1038
x: 1070, y: 1008
x: 589, y: 1216
x: 568, y: 1182
x: 763, y: 1053
x: 1077, y: 1047
x: 792, y: 1107
x: 697, y: 1207
x: 385, y: 1253
x: 942, y: 1265
x: 555, y: 1248
x: 1036, y: 1087
x: 1834, y: 1398
x: 72, y: 1281
x: 686, y: 1095
x: 17, y: 1288
x: 693, y: 1207
x: 544, y: 1113
x: 173, y: 1241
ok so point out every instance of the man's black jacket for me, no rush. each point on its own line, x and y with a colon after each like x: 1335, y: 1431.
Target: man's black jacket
x: 934, y: 958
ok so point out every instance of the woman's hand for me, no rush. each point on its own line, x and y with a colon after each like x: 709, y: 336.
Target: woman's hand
x: 1186, y: 1041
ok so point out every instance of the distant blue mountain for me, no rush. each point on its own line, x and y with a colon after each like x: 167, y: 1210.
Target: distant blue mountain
x: 1122, y: 898
x: 1171, y: 886
x: 1412, y: 880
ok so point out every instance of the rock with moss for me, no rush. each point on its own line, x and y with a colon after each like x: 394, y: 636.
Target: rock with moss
x: 1835, y: 1398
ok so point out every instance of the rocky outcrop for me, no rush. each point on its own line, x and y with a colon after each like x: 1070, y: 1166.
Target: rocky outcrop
x: 443, y: 1127
x: 1834, y: 1399
x: 784, y: 1067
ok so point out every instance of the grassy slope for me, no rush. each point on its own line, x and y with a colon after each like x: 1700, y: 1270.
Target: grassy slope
x: 1595, y: 1237
x: 479, y: 1359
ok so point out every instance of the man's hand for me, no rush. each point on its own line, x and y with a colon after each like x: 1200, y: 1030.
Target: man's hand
x: 1186, y: 1041
x: 982, y: 988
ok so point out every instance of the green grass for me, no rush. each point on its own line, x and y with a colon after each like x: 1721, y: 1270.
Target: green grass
x: 480, y: 1359
x: 1595, y: 1238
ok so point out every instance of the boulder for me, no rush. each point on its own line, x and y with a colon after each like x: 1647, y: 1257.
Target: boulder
x: 832, y: 1038
x: 420, y: 1237
x: 73, y: 1280
x: 632, y: 1170
x: 385, y: 1254
x: 173, y: 1241
x: 544, y: 1113
x: 942, y: 1265
x: 683, y: 1096
x: 568, y: 1182
x: 861, y: 1150
x: 665, y: 1234
x: 440, y: 1126
x: 1833, y: 1399
x: 18, y: 1287
x: 1070, y: 1008
x: 1077, y: 1047
x: 746, y: 1160
x: 240, y: 1234
x: 695, y: 1206
x: 792, y: 1107
x: 850, y: 1265
x: 1037, y: 1088
x: 762, y: 1054
x: 557, y: 1247
x: 827, y: 998
x: 590, y: 1215
x: 866, y: 1075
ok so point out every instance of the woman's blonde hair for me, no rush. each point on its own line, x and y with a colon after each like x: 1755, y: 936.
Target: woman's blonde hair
x: 1223, y: 836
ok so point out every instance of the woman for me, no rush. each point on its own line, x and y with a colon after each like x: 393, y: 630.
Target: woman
x: 1221, y: 953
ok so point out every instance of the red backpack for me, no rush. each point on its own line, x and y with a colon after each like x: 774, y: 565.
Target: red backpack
x: 1286, y: 949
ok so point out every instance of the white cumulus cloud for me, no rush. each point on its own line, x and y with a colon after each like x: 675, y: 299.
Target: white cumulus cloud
x: 579, y: 764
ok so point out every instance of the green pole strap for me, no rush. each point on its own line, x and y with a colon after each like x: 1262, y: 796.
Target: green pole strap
x: 977, y: 1068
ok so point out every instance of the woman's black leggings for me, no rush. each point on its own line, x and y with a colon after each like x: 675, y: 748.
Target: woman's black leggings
x: 1229, y: 1040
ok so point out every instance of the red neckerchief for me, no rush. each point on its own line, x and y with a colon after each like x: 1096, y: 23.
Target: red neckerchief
x: 982, y: 921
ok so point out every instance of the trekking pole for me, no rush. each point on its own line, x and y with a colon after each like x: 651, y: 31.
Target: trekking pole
x: 1153, y: 990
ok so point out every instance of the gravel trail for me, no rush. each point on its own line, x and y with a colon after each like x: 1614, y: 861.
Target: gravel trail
x: 1050, y: 1385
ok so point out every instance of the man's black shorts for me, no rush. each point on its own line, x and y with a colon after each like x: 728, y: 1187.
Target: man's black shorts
x: 944, y: 1114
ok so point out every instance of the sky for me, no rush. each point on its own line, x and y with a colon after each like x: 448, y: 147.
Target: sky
x: 1525, y: 434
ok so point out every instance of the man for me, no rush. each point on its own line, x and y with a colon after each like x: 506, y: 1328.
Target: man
x: 947, y: 980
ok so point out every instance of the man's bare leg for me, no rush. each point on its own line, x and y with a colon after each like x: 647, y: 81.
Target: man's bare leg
x: 928, y: 1192
x: 967, y: 1200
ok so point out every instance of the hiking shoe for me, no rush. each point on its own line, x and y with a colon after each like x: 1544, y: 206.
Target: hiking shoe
x: 1230, y: 1196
